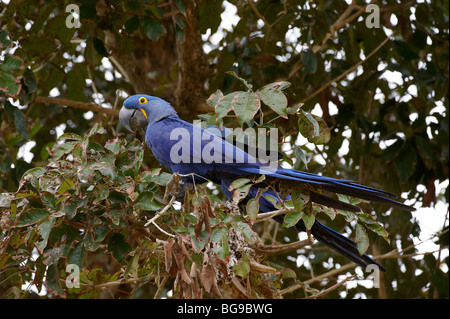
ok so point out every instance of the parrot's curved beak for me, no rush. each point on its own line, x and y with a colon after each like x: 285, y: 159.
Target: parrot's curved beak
x: 130, y: 119
x: 125, y: 116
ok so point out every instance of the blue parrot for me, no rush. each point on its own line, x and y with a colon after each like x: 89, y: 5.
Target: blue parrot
x: 185, y: 148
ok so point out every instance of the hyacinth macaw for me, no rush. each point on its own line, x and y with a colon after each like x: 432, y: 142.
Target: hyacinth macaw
x: 181, y: 147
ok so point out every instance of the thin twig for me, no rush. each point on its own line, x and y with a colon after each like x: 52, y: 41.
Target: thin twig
x: 324, y: 292
x: 159, y: 214
x: 259, y: 15
x: 94, y: 87
x: 161, y: 286
x: 284, y: 248
x: 264, y: 216
x: 76, y: 104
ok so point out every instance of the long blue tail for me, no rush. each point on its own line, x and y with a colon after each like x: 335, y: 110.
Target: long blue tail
x: 339, y: 243
x: 325, y: 235
x: 333, y: 185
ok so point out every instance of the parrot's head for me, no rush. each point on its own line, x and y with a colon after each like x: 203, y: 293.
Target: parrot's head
x: 141, y: 110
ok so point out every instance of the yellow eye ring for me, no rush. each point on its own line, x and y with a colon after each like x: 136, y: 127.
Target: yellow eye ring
x: 142, y: 100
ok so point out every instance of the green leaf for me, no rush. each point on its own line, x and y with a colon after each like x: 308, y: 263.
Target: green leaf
x: 215, y: 98
x: 291, y: 219
x: 245, y: 106
x: 20, y: 123
x: 145, y: 201
x: 405, y: 50
x: 252, y: 209
x: 100, y: 232
x: 308, y: 216
x: 217, y: 235
x: 14, y: 113
x: 119, y: 247
x: 425, y: 150
x: 300, y: 155
x: 247, y: 85
x: 288, y: 273
x: 95, y: 147
x: 241, y: 192
x: 76, y: 254
x: 366, y: 218
x: 4, y: 40
x: 274, y: 98
x: 308, y: 125
x: 44, y: 230
x: 223, y: 105
x: 391, y: 151
x: 313, y: 128
x: 71, y: 137
x: 280, y: 85
x: 49, y: 200
x: 96, y: 129
x: 378, y: 229
x: 362, y: 239
x: 152, y: 28
x: 209, y: 15
x: 101, y: 192
x: 405, y: 161
x: 31, y: 217
x: 309, y: 220
x: 88, y: 10
x: 53, y: 280
x: 90, y: 53
x: 243, y: 267
x: 105, y: 169
x: 75, y: 85
x: 239, y: 183
x: 309, y: 61
x: 324, y: 132
x: 180, y: 5
x: 132, y: 24
x: 8, y: 83
x: 299, y: 204
x: 440, y: 280
x: 6, y: 199
x: 12, y: 63
x: 35, y: 172
x: 65, y: 185
x: 61, y: 149
x: 329, y: 211
x: 100, y: 47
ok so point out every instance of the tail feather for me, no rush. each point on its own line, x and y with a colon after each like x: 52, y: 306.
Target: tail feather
x: 326, y: 236
x: 342, y: 245
x: 345, y: 187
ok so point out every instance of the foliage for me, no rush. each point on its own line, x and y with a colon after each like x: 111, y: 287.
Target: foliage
x: 317, y: 71
x: 91, y: 201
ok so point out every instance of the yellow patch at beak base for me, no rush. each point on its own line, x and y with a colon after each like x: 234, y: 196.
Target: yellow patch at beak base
x: 145, y: 114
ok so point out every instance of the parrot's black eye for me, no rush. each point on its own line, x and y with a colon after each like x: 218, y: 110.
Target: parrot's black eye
x: 142, y: 100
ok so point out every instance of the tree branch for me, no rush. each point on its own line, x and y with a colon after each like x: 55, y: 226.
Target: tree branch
x: 339, y: 23
x: 77, y: 105
x: 351, y: 69
x: 159, y: 214
x: 281, y: 249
